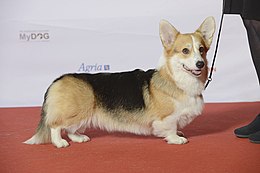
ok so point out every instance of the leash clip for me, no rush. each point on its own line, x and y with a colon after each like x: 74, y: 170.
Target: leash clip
x: 207, y: 83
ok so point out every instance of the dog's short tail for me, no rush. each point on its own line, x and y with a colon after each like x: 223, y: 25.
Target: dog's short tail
x: 42, y: 134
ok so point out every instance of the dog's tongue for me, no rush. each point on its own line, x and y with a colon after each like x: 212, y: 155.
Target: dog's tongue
x: 196, y: 72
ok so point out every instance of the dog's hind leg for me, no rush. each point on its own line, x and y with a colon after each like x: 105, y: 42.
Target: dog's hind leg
x: 56, y: 138
x: 77, y: 137
x: 75, y: 132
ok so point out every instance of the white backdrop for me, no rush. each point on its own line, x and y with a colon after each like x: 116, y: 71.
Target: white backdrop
x: 41, y: 40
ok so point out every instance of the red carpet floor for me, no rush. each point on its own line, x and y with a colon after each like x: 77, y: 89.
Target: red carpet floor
x: 212, y: 148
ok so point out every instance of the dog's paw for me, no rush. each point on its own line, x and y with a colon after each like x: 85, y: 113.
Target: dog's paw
x: 61, y: 143
x: 78, y: 138
x: 175, y: 139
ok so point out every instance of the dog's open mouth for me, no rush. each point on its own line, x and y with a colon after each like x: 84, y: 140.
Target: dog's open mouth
x: 196, y: 72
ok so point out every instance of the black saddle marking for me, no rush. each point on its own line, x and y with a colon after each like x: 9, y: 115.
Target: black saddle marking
x: 119, y: 90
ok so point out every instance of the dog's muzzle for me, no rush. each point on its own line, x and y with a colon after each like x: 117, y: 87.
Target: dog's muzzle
x: 195, y: 72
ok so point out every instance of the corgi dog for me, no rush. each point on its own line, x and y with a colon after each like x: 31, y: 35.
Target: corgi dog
x: 156, y: 102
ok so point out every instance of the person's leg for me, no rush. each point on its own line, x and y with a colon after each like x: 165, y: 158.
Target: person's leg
x: 252, y: 130
x: 253, y: 33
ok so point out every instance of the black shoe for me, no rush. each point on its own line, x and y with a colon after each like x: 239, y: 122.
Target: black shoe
x: 255, y: 138
x: 251, y: 128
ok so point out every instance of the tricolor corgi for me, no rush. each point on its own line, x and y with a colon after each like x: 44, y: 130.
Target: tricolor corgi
x: 156, y: 102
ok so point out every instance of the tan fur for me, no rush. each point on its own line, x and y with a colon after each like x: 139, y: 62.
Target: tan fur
x: 69, y: 102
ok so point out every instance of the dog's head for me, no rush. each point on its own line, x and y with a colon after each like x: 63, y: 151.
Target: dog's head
x: 185, y: 54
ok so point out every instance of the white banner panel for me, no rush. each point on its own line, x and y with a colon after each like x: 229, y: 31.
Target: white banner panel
x: 41, y: 40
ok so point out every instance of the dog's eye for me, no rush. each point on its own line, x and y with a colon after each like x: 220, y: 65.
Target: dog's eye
x: 201, y: 49
x: 185, y: 51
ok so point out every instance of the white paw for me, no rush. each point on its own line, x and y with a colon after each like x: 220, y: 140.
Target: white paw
x: 175, y: 139
x: 60, y: 143
x: 78, y: 138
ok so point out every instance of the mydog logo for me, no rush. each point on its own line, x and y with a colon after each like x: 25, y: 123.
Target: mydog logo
x: 34, y: 35
x: 93, y: 68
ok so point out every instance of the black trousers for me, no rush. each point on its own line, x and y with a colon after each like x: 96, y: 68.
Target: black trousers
x: 253, y: 34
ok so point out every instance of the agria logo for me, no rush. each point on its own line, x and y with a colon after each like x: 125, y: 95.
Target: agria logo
x: 93, y: 68
x: 34, y: 35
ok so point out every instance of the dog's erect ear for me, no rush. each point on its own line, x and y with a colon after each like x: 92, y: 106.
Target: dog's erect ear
x: 207, y: 29
x: 168, y: 34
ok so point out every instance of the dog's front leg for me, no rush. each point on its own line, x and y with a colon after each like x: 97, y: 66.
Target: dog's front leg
x: 167, y: 128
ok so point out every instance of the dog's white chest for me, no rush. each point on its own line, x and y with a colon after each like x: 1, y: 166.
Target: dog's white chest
x: 187, y: 109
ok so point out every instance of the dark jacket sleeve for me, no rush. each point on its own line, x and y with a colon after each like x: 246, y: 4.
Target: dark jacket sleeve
x: 232, y: 6
x: 248, y: 9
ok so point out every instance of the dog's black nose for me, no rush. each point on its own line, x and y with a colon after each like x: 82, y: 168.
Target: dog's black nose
x: 200, y: 64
